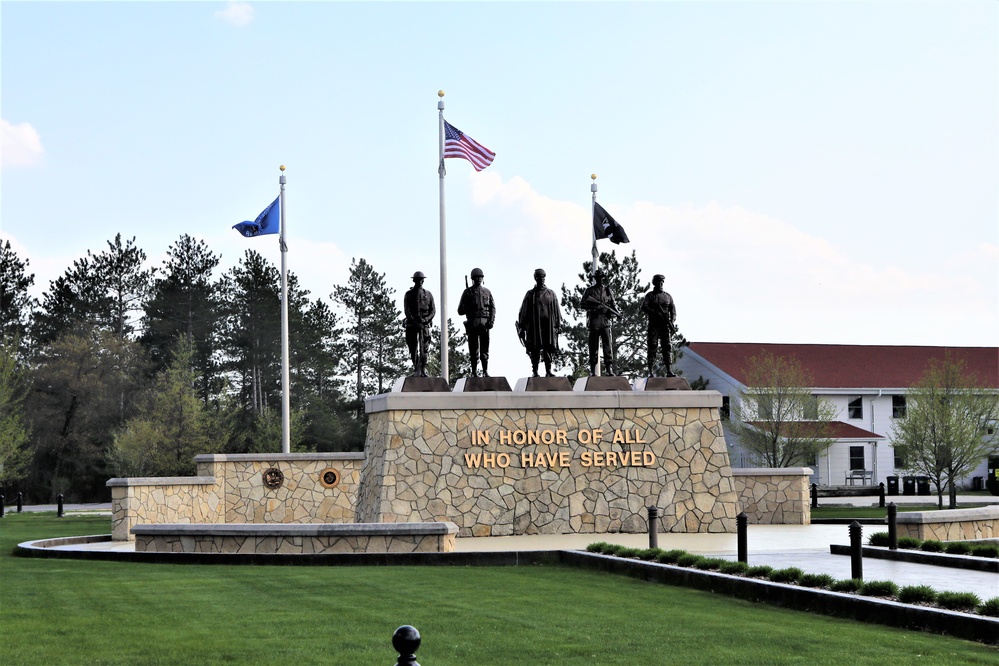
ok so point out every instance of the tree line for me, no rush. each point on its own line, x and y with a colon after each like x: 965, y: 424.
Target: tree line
x: 127, y: 369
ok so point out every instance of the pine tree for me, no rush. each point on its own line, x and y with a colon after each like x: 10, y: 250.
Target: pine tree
x: 14, y: 454
x: 15, y: 302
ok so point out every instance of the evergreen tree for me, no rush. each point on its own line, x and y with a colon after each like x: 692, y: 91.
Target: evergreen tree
x: 15, y: 301
x: 14, y: 454
x: 170, y: 427
x: 185, y: 304
x: 458, y: 362
x: 373, y: 333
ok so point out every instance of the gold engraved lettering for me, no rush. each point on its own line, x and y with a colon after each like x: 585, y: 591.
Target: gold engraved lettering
x: 648, y: 458
x: 503, y: 460
x: 586, y: 458
x: 618, y: 438
x: 563, y: 458
x: 483, y: 437
x: 526, y: 459
x: 473, y: 459
x: 504, y: 437
x: 584, y: 437
x: 598, y: 435
x: 560, y: 437
x: 519, y: 437
x: 533, y: 437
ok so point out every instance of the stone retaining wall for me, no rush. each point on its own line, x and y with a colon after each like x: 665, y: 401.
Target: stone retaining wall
x: 950, y: 524
x: 778, y: 496
x: 296, y: 539
x: 548, y: 463
x: 230, y: 489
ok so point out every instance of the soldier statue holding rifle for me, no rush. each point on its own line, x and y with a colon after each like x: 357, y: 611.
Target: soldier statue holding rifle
x: 480, y: 314
x: 658, y: 305
x: 418, y: 306
x: 598, y: 301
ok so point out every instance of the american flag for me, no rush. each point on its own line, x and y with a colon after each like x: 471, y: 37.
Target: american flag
x: 459, y: 144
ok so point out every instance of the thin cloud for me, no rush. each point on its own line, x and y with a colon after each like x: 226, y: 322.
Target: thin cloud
x: 20, y: 145
x: 237, y: 14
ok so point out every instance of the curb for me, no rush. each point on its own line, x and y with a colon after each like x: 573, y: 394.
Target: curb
x: 969, y: 562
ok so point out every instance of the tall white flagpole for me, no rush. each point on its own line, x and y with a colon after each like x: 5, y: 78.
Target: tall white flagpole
x: 593, y: 233
x: 440, y: 173
x: 285, y: 378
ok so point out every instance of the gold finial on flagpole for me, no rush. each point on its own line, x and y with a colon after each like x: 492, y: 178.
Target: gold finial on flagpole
x: 440, y: 93
x: 282, y: 167
x: 593, y: 176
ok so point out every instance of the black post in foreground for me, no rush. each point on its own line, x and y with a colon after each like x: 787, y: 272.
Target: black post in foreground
x: 59, y: 511
x: 406, y: 641
x: 741, y: 524
x: 881, y: 495
x: 892, y: 526
x: 856, y: 551
x: 653, y: 527
x: 815, y: 496
x: 20, y: 503
x: 2, y: 498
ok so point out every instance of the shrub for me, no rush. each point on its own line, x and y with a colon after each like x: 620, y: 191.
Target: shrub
x: 788, y: 575
x: 624, y: 551
x: 688, y: 560
x: 846, y: 585
x: 598, y: 547
x: 990, y: 607
x: 957, y: 548
x: 932, y: 546
x: 917, y: 594
x: 734, y: 568
x: 649, y: 554
x: 759, y: 571
x: 909, y: 543
x: 878, y: 588
x: 878, y: 539
x: 708, y: 563
x: 816, y: 580
x: 984, y: 550
x: 958, y: 601
x: 671, y: 556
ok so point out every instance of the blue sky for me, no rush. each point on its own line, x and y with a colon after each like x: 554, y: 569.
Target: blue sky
x: 820, y: 172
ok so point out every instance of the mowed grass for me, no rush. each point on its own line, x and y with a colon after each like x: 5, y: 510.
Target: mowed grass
x: 90, y: 612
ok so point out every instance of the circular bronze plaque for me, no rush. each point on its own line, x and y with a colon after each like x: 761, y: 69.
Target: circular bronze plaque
x: 273, y: 478
x: 329, y: 477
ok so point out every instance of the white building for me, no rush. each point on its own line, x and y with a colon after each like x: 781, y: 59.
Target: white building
x: 867, y: 385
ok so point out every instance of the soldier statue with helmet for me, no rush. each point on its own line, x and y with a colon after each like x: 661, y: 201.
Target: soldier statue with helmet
x: 480, y: 314
x: 419, y: 310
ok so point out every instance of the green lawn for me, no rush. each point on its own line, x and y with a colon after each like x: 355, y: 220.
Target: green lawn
x: 72, y: 612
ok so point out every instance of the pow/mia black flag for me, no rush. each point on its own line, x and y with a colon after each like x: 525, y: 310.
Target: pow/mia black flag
x: 605, y: 226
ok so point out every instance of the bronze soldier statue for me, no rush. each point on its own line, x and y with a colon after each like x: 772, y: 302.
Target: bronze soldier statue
x: 539, y: 323
x: 658, y: 305
x: 598, y: 301
x: 418, y: 306
x: 480, y: 313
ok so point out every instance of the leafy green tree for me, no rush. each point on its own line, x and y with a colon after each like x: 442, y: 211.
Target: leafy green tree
x: 14, y: 454
x: 630, y: 351
x: 776, y: 417
x: 85, y: 386
x: 946, y: 430
x: 184, y: 304
x: 373, y: 333
x: 15, y: 301
x: 170, y: 426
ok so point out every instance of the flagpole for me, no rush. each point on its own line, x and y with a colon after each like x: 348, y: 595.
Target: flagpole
x: 593, y: 232
x: 440, y: 173
x: 285, y: 379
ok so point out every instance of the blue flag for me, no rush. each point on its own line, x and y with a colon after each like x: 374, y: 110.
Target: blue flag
x: 268, y: 222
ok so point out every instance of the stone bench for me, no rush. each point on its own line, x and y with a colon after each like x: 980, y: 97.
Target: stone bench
x: 950, y: 524
x: 303, y: 539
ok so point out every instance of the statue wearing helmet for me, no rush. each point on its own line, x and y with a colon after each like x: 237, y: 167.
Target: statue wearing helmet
x: 598, y: 301
x: 419, y: 308
x: 480, y: 314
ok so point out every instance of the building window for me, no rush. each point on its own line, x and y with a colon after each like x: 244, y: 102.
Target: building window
x: 855, y: 410
x: 810, y: 408
x: 898, y: 406
x: 764, y: 407
x: 726, y: 408
x: 856, y: 458
x: 899, y: 462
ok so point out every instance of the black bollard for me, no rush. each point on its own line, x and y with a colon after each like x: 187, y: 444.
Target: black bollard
x: 653, y: 527
x: 59, y: 510
x: 2, y: 498
x: 741, y: 524
x: 815, y: 496
x: 892, y: 526
x: 881, y: 495
x: 856, y: 551
x: 20, y: 503
x: 406, y: 641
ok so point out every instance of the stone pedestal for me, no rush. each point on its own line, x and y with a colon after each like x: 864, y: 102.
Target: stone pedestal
x: 481, y: 384
x: 548, y: 462
x: 602, y: 384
